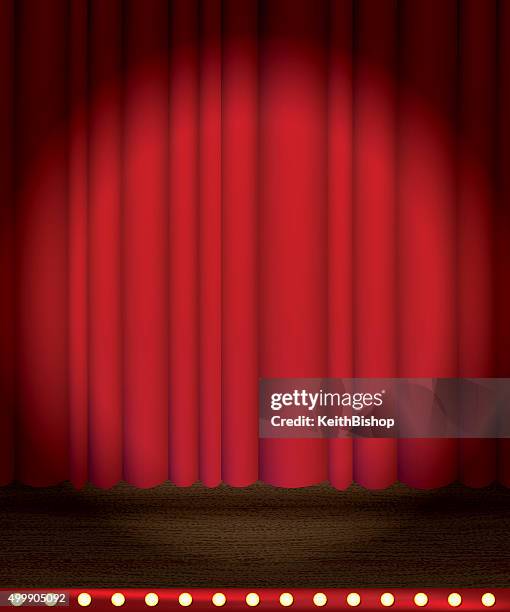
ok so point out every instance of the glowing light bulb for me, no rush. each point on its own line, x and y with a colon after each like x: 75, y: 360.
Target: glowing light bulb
x: 387, y: 600
x: 84, y: 599
x: 219, y: 599
x: 320, y: 599
x: 488, y: 600
x: 118, y: 599
x: 286, y: 599
x: 252, y: 599
x: 151, y: 599
x: 185, y: 599
x: 454, y: 599
x: 353, y: 599
x: 421, y: 600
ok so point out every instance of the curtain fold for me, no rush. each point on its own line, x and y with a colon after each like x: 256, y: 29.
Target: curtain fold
x: 195, y: 194
x: 78, y: 245
x: 41, y: 272
x: 7, y: 305
x: 239, y: 241
x: 428, y: 334
x: 502, y: 220
x: 374, y: 226
x: 293, y: 219
x: 104, y: 219
x: 475, y: 218
x: 340, y: 218
x: 183, y: 239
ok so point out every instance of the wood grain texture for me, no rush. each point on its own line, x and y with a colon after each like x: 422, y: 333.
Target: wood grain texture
x: 259, y: 536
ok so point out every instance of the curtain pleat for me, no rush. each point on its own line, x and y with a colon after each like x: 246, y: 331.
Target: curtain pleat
x: 340, y: 218
x: 475, y: 201
x: 374, y: 222
x: 209, y: 241
x: 427, y: 240
x: 293, y: 218
x: 239, y: 176
x: 7, y: 303
x: 196, y: 194
x: 144, y: 243
x: 502, y: 221
x: 105, y: 140
x: 183, y: 243
x: 78, y: 253
x: 41, y: 242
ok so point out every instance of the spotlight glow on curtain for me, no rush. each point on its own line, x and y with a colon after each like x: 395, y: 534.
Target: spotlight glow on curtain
x: 195, y: 194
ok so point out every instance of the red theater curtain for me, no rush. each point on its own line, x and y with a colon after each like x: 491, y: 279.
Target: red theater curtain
x: 196, y: 194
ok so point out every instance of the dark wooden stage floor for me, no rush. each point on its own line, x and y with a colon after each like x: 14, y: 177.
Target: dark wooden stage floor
x: 259, y: 536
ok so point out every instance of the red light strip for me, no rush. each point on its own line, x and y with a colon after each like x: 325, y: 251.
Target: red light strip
x: 368, y: 600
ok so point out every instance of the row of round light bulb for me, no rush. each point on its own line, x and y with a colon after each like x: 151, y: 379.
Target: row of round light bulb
x: 287, y: 599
